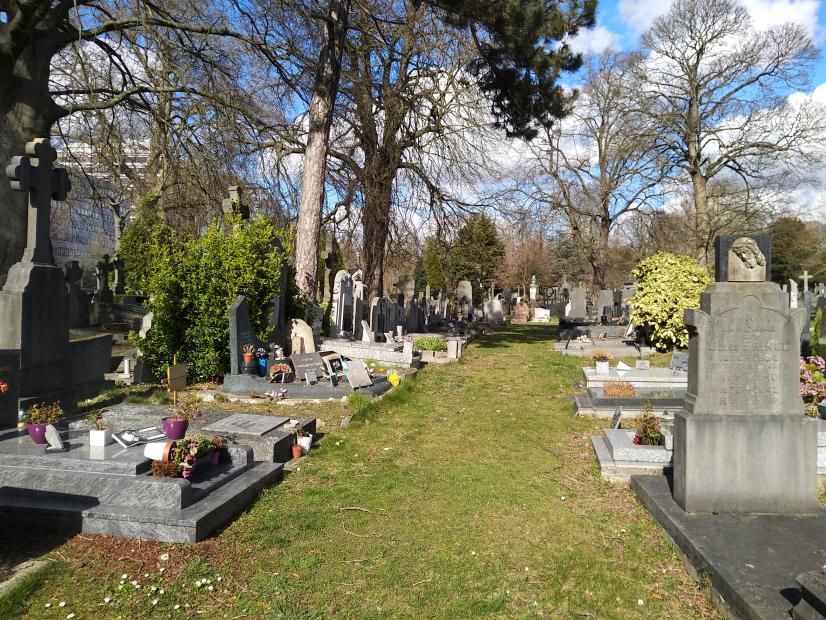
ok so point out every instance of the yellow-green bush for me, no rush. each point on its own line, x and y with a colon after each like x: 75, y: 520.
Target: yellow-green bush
x: 667, y: 284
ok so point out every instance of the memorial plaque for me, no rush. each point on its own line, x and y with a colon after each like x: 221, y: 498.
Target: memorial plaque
x: 246, y: 424
x: 357, y: 375
x: 304, y: 362
x: 333, y: 364
x: 679, y: 361
x: 644, y: 364
x: 617, y: 419
x: 10, y: 386
x: 176, y: 377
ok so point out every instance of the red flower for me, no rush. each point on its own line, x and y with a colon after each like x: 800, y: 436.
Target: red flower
x: 637, y: 439
x: 4, y: 387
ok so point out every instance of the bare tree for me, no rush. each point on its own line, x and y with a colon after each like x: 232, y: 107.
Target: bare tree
x: 599, y: 164
x: 715, y: 87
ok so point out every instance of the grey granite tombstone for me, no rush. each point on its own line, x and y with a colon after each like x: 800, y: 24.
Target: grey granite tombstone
x: 306, y: 362
x: 9, y: 387
x: 240, y: 333
x: 464, y: 296
x: 103, y: 293
x: 367, y: 334
x: 118, y: 281
x: 605, y: 303
x: 78, y: 299
x: 359, y: 289
x: 278, y: 312
x: 234, y: 203
x: 341, y: 316
x: 577, y: 299
x: 247, y: 423
x: 378, y: 316
x: 742, y: 444
x: 357, y: 375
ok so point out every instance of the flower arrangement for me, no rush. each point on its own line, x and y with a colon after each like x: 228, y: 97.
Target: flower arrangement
x: 248, y: 349
x: 277, y: 351
x: 4, y: 386
x: 619, y: 389
x: 812, y: 383
x: 648, y: 428
x: 187, y: 408
x: 601, y: 356
x: 185, y: 452
x: 96, y: 419
x: 260, y: 353
x: 45, y: 414
x: 280, y: 370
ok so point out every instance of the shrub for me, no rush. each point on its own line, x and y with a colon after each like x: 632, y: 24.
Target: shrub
x: 192, y: 285
x: 667, y: 284
x: 814, y: 336
x: 45, y: 414
x: 430, y: 343
x: 648, y: 429
x: 601, y: 356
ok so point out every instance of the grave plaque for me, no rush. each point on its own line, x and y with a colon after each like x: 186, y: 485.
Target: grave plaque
x: 305, y: 362
x: 310, y: 377
x: 9, y: 388
x: 333, y: 364
x: 246, y: 424
x: 679, y: 361
x: 357, y: 375
x: 642, y: 365
x: 617, y: 419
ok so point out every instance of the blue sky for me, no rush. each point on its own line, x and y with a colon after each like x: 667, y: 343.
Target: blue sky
x: 620, y: 22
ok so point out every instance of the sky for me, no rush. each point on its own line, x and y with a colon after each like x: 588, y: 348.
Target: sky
x: 621, y: 22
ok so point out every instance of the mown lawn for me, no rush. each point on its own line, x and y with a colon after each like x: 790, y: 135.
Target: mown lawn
x: 470, y: 491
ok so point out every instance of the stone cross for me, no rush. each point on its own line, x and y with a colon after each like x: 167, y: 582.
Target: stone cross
x: 34, y: 173
x: 74, y: 274
x: 117, y: 265
x: 102, y: 273
x: 805, y: 277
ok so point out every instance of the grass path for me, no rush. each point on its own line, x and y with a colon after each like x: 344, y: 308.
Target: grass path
x: 471, y: 491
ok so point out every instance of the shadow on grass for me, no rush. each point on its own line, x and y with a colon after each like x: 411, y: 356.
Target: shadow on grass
x: 518, y: 334
x: 21, y: 545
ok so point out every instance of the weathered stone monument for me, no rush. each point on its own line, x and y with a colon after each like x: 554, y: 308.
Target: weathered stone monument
x: 118, y: 281
x: 234, y: 203
x: 341, y: 316
x: 742, y: 444
x: 522, y: 312
x: 464, y: 295
x: 79, y: 306
x: 577, y: 301
x: 534, y: 289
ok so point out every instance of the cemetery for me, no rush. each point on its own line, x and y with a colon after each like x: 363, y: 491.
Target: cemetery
x: 461, y: 309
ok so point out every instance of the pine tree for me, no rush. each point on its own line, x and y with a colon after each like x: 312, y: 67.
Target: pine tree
x: 433, y: 265
x: 477, y: 254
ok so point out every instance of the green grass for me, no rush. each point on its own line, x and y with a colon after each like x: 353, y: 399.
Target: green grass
x: 469, y: 492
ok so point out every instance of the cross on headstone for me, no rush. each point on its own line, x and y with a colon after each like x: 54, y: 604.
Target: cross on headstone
x: 234, y: 203
x: 33, y: 173
x: 117, y: 265
x: 805, y: 277
x: 102, y: 273
x: 74, y: 274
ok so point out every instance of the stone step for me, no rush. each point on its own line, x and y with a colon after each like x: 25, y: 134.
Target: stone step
x: 191, y: 524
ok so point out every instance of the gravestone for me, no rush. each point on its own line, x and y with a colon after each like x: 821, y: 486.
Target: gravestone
x: 328, y: 257
x: 240, y: 333
x: 792, y: 293
x: 494, y: 309
x: 359, y: 290
x: 103, y: 294
x: 278, y: 312
x: 521, y: 313
x: 577, y: 300
x: 742, y: 444
x: 464, y: 295
x: 367, y: 334
x: 412, y: 322
x: 118, y: 281
x: 78, y: 299
x: 605, y: 303
x: 723, y: 253
x: 357, y: 375
x: 679, y: 361
x: 341, y: 316
x: 805, y: 276
x: 234, y: 203
x: 377, y: 315
x: 541, y: 315
x: 302, y: 338
x: 9, y: 387
x: 406, y: 286
x: 534, y: 289
x: 307, y: 362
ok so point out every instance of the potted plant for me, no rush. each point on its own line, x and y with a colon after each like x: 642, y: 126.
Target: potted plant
x: 188, y: 408
x: 303, y: 439
x: 298, y: 451
x: 101, y: 434
x: 601, y: 359
x: 250, y: 365
x: 217, y: 449
x: 648, y: 428
x: 39, y: 417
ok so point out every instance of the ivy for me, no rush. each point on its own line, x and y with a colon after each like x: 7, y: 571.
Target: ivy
x: 667, y: 284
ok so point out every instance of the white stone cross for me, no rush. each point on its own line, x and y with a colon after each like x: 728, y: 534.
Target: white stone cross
x: 805, y: 277
x: 33, y: 173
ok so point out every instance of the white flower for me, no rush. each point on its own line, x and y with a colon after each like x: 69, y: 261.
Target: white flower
x: 134, y: 582
x: 154, y: 601
x: 70, y: 616
x: 122, y: 582
x: 161, y: 569
x: 62, y: 604
x: 472, y: 553
x: 160, y: 591
x: 164, y: 557
x: 124, y: 576
x: 210, y: 588
x: 198, y: 584
x: 106, y: 600
x: 153, y: 588
x: 146, y: 574
x: 48, y: 605
x: 218, y: 578
x: 177, y: 606
x: 562, y: 498
x: 640, y: 602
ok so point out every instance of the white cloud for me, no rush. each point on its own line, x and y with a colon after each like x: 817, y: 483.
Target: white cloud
x: 638, y: 15
x: 595, y: 41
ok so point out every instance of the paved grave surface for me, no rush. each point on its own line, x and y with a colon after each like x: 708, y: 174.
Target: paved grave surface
x: 247, y: 423
x: 751, y: 560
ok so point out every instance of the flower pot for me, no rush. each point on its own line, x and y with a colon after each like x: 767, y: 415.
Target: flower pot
x: 262, y: 366
x: 158, y: 450
x: 216, y: 457
x: 247, y: 357
x: 99, y: 438
x: 250, y: 366
x: 298, y: 451
x: 603, y: 368
x: 174, y: 428
x: 37, y: 432
x: 305, y: 443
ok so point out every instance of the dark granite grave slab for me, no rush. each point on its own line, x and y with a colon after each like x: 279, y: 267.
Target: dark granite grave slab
x: 750, y: 561
x: 244, y: 385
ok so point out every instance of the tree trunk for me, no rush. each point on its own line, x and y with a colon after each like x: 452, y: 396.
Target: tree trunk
x: 376, y: 226
x: 325, y: 90
x: 26, y: 112
x: 701, y: 220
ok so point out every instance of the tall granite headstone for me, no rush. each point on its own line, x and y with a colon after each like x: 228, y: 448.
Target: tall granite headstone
x: 577, y: 300
x: 241, y: 333
x: 742, y: 444
x: 78, y: 299
x: 464, y: 295
x: 341, y: 317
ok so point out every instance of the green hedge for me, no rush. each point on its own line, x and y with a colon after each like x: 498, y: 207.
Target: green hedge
x: 194, y: 281
x: 430, y: 343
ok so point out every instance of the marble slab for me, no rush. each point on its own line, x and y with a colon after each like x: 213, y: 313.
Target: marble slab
x: 246, y: 423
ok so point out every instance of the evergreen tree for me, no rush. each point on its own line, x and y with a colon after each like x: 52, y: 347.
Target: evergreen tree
x: 477, y: 254
x: 433, y: 265
x: 795, y: 248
